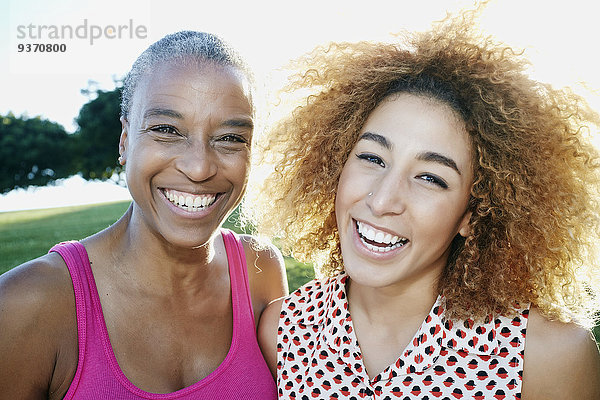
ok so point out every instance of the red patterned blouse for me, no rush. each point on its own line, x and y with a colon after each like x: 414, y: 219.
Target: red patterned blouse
x: 319, y: 356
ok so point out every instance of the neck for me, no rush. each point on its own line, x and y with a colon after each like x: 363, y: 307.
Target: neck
x: 411, y: 302
x: 387, y: 318
x: 151, y: 264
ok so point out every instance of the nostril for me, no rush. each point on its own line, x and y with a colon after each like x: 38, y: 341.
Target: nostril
x: 197, y: 166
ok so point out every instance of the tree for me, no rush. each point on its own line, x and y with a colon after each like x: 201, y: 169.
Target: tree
x: 33, y: 151
x: 97, y: 139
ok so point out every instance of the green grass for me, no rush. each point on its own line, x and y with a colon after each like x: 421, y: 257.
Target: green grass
x: 25, y: 235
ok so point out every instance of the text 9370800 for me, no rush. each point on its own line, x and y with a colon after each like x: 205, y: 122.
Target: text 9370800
x: 41, y: 48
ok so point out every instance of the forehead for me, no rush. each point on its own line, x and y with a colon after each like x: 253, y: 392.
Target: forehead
x: 420, y: 122
x: 189, y: 84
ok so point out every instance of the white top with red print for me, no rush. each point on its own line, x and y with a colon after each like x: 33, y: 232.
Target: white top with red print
x: 318, y: 355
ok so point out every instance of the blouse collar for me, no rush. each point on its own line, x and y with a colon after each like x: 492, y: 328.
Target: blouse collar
x: 435, y: 336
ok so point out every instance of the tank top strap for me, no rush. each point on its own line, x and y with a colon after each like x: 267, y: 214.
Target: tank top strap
x: 75, y: 256
x: 238, y: 273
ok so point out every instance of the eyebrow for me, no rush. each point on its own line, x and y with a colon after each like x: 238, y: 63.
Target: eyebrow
x: 239, y: 123
x: 429, y: 156
x: 165, y: 112
x: 377, y: 139
x: 438, y: 158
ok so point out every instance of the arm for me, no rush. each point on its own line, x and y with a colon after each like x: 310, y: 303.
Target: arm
x: 266, y: 273
x: 38, y: 344
x: 267, y: 334
x: 561, y: 361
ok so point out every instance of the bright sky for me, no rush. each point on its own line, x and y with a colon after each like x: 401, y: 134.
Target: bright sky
x: 559, y: 37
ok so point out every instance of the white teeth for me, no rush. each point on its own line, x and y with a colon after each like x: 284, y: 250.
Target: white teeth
x: 369, y: 233
x: 190, y: 202
x: 378, y: 248
x: 387, y: 239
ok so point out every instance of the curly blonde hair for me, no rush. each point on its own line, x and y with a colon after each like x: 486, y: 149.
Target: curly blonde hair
x: 535, y: 212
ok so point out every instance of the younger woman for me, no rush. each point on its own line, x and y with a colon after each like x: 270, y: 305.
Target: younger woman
x: 453, y: 201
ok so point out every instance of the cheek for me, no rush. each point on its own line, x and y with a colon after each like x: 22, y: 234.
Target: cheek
x: 346, y: 183
x: 347, y: 195
x: 143, y: 148
x: 239, y: 165
x: 338, y: 214
x: 340, y: 196
x: 235, y: 169
x: 441, y: 221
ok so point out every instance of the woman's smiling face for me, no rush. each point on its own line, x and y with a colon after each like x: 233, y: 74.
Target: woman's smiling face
x: 186, y: 144
x: 403, y: 193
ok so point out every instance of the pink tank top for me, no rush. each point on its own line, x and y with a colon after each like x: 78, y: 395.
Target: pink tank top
x: 243, y: 374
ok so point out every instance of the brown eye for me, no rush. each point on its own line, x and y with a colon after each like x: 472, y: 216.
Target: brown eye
x: 372, y: 158
x: 434, y: 180
x: 233, y: 138
x: 165, y: 129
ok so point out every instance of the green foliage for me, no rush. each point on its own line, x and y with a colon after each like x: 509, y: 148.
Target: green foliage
x: 97, y: 139
x: 297, y: 273
x: 33, y: 151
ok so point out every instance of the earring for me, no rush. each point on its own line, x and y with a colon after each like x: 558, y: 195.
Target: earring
x: 121, y: 160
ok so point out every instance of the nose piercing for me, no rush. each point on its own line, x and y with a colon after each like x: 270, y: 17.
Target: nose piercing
x: 370, y: 194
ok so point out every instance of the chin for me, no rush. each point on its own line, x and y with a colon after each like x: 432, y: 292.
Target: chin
x: 191, y: 240
x: 368, y: 278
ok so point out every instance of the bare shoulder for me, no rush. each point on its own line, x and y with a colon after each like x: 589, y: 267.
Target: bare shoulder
x: 561, y: 361
x: 267, y: 333
x: 29, y: 287
x: 38, y: 345
x: 266, y: 271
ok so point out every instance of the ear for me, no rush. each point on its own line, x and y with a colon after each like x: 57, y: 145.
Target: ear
x: 464, y: 229
x: 123, y: 141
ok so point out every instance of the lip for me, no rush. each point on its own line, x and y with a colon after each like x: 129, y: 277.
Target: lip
x: 199, y: 214
x: 366, y: 252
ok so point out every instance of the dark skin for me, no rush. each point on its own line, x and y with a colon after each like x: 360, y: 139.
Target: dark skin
x: 161, y: 272
x: 39, y: 344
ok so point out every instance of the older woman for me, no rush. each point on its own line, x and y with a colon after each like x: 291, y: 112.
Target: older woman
x: 451, y: 203
x: 162, y: 304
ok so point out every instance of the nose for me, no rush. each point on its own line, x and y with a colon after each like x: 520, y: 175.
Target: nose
x: 387, y: 197
x: 197, y: 162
